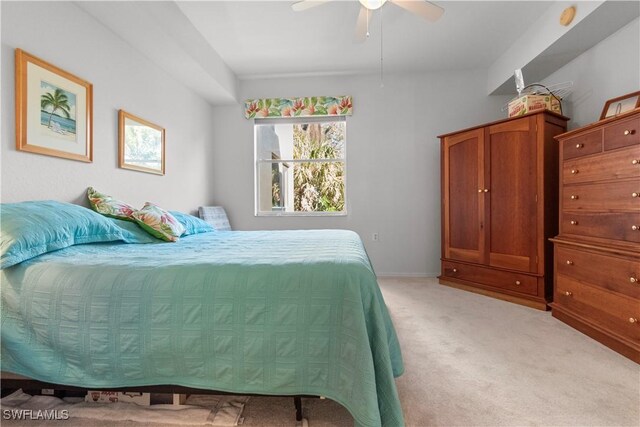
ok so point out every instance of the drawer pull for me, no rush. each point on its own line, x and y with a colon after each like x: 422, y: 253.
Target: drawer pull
x: 574, y: 171
x: 573, y: 222
x: 574, y: 197
x: 635, y: 194
x: 633, y: 279
x: 569, y: 262
x: 486, y: 190
x: 579, y: 145
x: 629, y: 132
x: 518, y: 282
x: 633, y: 320
x: 567, y: 293
x: 635, y: 228
x: 635, y: 161
x: 455, y: 270
x: 480, y: 190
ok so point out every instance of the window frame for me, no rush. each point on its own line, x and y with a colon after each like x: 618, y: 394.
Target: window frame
x: 291, y: 162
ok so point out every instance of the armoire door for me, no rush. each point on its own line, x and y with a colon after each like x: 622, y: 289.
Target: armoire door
x: 510, y: 203
x: 463, y: 206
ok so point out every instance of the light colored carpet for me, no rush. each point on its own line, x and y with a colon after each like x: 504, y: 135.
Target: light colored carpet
x: 476, y: 361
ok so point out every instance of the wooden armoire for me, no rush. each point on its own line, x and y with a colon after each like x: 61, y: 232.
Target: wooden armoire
x: 500, y: 207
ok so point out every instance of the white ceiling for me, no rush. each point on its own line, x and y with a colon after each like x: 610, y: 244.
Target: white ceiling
x: 211, y: 45
x: 267, y: 38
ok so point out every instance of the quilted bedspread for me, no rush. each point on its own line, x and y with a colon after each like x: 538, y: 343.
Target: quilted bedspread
x: 268, y: 312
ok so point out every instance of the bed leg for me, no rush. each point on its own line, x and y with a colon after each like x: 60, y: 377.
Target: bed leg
x: 297, y: 401
x: 179, y: 399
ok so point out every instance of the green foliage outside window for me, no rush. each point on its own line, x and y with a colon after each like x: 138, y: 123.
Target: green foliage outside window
x: 318, y: 186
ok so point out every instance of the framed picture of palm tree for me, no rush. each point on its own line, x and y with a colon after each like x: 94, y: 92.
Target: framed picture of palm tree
x: 54, y: 110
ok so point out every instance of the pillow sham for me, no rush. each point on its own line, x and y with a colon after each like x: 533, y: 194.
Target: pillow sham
x: 108, y: 206
x: 158, y: 222
x: 138, y: 235
x: 33, y: 228
x: 192, y: 224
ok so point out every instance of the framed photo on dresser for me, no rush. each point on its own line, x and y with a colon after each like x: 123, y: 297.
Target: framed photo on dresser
x: 620, y: 105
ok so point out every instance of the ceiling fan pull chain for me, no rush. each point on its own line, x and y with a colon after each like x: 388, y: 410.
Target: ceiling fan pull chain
x: 367, y: 13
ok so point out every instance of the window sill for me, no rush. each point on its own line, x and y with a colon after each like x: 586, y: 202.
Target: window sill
x: 301, y: 214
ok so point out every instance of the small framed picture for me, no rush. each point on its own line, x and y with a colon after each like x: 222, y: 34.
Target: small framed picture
x: 620, y: 105
x: 54, y: 110
x: 140, y: 144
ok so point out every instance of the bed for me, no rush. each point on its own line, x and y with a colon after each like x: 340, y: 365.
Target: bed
x: 262, y: 312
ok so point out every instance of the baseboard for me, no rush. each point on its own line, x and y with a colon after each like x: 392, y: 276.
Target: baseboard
x: 411, y: 275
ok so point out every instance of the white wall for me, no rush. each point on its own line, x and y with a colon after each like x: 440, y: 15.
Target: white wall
x: 533, y: 40
x: 122, y: 78
x: 392, y: 150
x: 393, y: 158
x: 608, y: 70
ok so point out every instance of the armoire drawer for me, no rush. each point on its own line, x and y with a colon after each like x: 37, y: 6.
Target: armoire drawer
x: 623, y: 195
x: 608, y: 272
x: 617, y: 313
x: 614, y: 165
x: 622, y: 134
x: 582, y: 145
x: 490, y: 277
x: 623, y: 226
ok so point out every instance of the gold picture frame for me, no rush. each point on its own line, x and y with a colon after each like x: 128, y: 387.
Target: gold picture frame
x: 621, y: 105
x: 54, y: 110
x: 141, y: 144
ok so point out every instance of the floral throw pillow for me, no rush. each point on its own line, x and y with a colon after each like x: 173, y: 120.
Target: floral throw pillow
x: 108, y: 206
x: 158, y: 222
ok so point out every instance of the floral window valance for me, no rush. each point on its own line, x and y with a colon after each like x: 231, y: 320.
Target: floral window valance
x: 298, y: 107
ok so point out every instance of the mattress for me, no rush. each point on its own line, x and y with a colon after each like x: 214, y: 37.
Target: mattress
x: 267, y: 312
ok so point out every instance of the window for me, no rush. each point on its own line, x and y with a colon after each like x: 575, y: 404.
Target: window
x: 300, y: 166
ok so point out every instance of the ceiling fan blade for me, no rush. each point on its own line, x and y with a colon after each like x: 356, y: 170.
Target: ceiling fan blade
x: 307, y: 4
x: 423, y: 8
x: 361, y: 25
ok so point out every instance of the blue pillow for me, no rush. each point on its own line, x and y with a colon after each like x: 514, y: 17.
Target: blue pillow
x: 29, y: 229
x: 192, y: 224
x: 138, y: 235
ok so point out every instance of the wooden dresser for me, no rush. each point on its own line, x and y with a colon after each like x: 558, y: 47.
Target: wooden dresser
x: 597, y: 251
x: 500, y: 207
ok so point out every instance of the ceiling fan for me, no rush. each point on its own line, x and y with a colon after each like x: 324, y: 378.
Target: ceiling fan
x: 423, y: 8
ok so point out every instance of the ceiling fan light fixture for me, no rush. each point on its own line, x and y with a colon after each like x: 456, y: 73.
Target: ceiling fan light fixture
x: 372, y: 4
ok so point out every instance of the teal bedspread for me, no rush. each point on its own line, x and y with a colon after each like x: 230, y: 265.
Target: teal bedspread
x: 277, y: 312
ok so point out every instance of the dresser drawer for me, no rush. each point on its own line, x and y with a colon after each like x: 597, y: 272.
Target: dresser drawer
x: 616, y: 226
x: 490, y: 277
x: 617, y: 313
x: 614, y: 165
x: 582, y: 145
x: 609, y: 272
x: 623, y: 195
x: 622, y: 134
